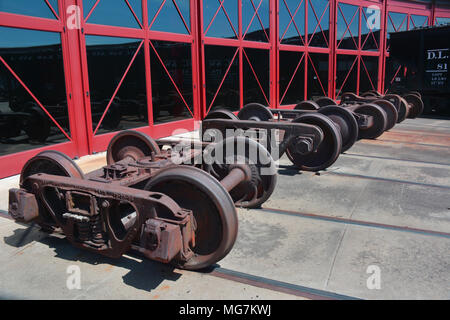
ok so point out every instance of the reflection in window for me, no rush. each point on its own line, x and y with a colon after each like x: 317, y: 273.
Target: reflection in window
x: 168, y: 105
x: 393, y: 74
x: 108, y: 59
x: 418, y: 21
x: 441, y: 21
x: 317, y: 75
x: 347, y: 26
x: 368, y: 74
x: 36, y: 58
x: 395, y: 22
x: 217, y: 61
x: 292, y: 31
x: 318, y: 33
x: 370, y: 29
x: 168, y: 18
x: 292, y: 93
x: 114, y: 13
x: 35, y: 8
x: 225, y: 23
x: 346, y: 74
x: 256, y: 20
x: 259, y: 60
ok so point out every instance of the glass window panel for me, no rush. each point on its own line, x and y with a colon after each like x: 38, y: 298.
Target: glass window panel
x: 114, y: 13
x: 295, y: 92
x: 258, y: 28
x: 441, y: 21
x: 259, y: 60
x: 345, y: 72
x: 35, y: 8
x: 167, y: 102
x: 395, y: 22
x: 220, y: 26
x: 347, y: 16
x: 318, y: 33
x: 217, y: 61
x: 418, y: 21
x: 290, y: 32
x: 108, y: 59
x: 393, y: 74
x: 368, y: 74
x: 36, y: 58
x: 317, y: 83
x: 370, y: 29
x: 168, y: 19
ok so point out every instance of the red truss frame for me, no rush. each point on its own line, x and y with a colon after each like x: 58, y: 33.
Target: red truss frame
x: 83, y: 137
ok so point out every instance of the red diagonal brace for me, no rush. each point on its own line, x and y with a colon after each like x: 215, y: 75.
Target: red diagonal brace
x: 34, y: 97
x: 256, y: 77
x: 118, y: 87
x: 223, y: 79
x: 171, y: 79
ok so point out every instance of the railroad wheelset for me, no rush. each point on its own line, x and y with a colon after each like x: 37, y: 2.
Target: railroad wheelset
x: 143, y: 200
x: 312, y: 142
x: 373, y: 118
x: 409, y: 105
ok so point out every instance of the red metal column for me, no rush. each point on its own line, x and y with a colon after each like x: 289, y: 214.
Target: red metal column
x: 273, y: 53
x: 241, y: 62
x: 148, y: 76
x: 332, y: 55
x: 383, y: 37
x: 77, y: 111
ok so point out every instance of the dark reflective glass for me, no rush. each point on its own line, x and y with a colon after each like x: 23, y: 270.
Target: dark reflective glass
x: 256, y: 23
x: 36, y: 58
x: 418, y: 21
x: 368, y: 74
x: 259, y: 60
x: 296, y: 91
x: 168, y: 19
x: 217, y: 61
x: 347, y: 16
x: 108, y: 59
x: 346, y: 70
x: 317, y: 75
x: 370, y: 29
x: 393, y: 73
x: 114, y: 13
x: 168, y: 105
x: 318, y: 33
x: 290, y: 32
x: 36, y: 8
x: 395, y: 22
x: 441, y: 21
x: 224, y: 22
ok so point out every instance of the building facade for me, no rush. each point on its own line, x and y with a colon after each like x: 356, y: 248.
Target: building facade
x: 74, y: 72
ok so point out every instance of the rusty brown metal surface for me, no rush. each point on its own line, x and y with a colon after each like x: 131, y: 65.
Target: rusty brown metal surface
x: 141, y: 200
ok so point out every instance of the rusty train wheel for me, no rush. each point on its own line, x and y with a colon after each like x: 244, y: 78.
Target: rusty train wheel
x: 346, y: 122
x: 379, y: 121
x: 400, y: 104
x: 130, y: 144
x: 256, y: 112
x: 307, y: 105
x: 325, y: 102
x: 416, y: 105
x: 213, y: 209
x: 248, y: 194
x: 216, y: 114
x: 327, y: 152
x: 391, y: 112
x: 221, y: 114
x: 49, y: 162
